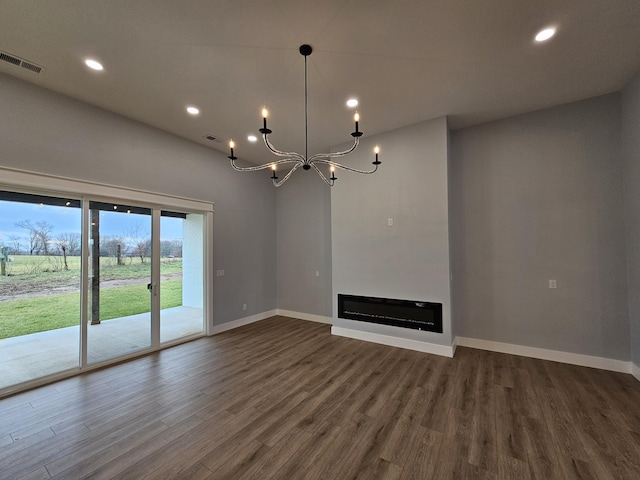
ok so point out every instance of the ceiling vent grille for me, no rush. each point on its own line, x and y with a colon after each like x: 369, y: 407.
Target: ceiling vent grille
x: 9, y: 58
x: 213, y: 138
x: 20, y: 62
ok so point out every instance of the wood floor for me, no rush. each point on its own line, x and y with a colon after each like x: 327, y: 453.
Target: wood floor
x: 284, y: 399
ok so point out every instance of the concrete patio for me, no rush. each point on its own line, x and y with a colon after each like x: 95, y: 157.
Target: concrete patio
x: 40, y: 354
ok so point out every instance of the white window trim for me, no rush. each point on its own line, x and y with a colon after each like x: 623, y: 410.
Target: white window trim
x: 50, y: 183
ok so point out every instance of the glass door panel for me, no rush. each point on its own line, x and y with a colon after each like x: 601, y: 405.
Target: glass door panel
x: 119, y: 290
x: 181, y: 275
x: 40, y: 271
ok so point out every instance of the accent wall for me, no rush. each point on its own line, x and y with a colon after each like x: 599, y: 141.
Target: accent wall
x: 390, y: 233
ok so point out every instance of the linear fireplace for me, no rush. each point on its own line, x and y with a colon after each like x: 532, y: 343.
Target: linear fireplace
x: 398, y: 313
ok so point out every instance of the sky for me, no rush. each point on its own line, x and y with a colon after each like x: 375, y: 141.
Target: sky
x: 67, y: 220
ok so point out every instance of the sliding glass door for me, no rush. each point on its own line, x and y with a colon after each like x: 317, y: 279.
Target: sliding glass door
x: 181, y: 275
x: 86, y: 281
x: 40, y: 267
x: 120, y: 283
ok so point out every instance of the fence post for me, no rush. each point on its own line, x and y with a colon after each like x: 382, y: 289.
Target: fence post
x: 3, y: 262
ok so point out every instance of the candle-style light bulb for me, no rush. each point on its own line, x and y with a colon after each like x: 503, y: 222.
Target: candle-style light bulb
x: 356, y: 118
x: 273, y: 169
x: 333, y: 172
x: 376, y: 150
x: 231, y: 145
x: 264, y: 130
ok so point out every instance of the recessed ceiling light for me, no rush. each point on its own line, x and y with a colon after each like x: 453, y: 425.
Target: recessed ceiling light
x: 93, y: 64
x: 546, y: 34
x: 252, y: 138
x: 193, y: 110
x: 352, y: 102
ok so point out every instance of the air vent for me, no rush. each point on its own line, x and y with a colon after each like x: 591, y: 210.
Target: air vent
x: 9, y: 58
x: 20, y: 62
x: 213, y: 138
x: 31, y: 66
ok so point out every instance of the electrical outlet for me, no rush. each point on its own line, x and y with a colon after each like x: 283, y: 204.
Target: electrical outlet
x: 244, y: 306
x: 553, y: 284
x: 390, y: 222
x: 317, y: 273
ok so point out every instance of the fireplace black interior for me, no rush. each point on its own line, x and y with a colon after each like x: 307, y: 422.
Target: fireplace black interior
x: 398, y: 313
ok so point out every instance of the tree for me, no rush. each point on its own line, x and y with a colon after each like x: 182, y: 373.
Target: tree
x: 44, y: 230
x: 39, y: 235
x: 115, y: 246
x: 170, y: 248
x: 140, y: 243
x: 142, y: 248
x: 68, y: 244
x: 33, y: 235
x: 176, y: 249
x: 16, y: 244
x: 165, y: 248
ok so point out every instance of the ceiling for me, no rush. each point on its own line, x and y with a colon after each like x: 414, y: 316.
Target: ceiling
x: 406, y: 61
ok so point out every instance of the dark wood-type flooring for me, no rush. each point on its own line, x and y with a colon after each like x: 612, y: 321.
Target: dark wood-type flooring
x: 284, y: 399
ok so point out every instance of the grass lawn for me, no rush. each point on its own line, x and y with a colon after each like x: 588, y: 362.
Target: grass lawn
x: 31, y: 315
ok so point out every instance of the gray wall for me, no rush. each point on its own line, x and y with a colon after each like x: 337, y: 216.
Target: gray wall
x: 303, y: 211
x: 409, y: 260
x: 539, y: 197
x: 631, y: 155
x: 49, y: 133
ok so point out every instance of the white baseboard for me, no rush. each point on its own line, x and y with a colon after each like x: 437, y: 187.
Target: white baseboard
x: 454, y: 345
x: 305, y: 316
x: 240, y: 322
x: 544, y: 354
x: 443, y: 350
x: 425, y: 347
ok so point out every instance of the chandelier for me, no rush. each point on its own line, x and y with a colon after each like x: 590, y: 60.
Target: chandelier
x: 293, y: 160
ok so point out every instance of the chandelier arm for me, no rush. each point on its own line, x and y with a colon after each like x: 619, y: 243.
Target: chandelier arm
x: 280, y: 153
x: 322, y: 175
x: 318, y: 156
x: 264, y: 166
x: 344, y: 167
x: 286, y: 177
